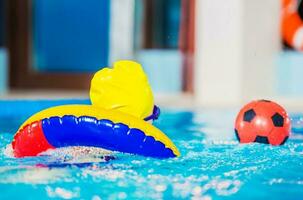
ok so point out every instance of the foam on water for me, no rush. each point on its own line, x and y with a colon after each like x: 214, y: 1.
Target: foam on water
x: 212, y: 166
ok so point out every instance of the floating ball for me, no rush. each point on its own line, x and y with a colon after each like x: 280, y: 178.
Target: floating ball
x: 262, y: 121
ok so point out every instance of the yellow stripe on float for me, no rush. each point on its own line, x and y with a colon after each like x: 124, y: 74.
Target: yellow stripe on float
x: 99, y: 113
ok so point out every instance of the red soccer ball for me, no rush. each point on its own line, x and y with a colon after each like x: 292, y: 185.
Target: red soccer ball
x: 262, y: 121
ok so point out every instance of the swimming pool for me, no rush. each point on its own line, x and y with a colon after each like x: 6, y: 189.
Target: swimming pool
x: 212, y: 165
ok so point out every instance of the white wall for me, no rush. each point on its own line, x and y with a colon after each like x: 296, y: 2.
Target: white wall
x: 236, y: 43
x: 261, y: 46
x: 121, y: 30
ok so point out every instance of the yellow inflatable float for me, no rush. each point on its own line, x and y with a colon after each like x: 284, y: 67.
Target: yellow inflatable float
x: 118, y: 119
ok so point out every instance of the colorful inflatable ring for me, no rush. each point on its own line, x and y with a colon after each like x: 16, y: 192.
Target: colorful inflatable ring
x: 117, y: 120
x: 86, y: 125
x: 292, y: 24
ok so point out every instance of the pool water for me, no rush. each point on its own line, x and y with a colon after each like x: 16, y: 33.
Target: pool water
x: 212, y: 165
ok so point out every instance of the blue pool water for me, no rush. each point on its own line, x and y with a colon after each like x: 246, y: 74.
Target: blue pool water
x: 212, y: 166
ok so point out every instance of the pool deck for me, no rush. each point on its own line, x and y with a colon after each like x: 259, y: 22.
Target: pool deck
x: 168, y: 100
x: 179, y: 101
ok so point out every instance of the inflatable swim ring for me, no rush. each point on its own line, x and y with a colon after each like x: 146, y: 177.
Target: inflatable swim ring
x: 118, y: 119
x: 292, y: 24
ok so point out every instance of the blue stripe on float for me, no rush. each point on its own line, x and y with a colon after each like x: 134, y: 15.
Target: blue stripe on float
x: 89, y: 131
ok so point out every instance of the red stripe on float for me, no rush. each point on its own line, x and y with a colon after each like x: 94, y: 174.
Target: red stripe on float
x: 30, y: 141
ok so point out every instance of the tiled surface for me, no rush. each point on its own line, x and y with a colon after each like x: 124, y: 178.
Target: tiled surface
x: 3, y: 70
x: 289, y: 74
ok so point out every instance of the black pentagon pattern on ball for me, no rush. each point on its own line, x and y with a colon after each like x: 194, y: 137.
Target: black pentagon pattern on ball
x: 237, y: 135
x: 262, y: 139
x: 285, y: 139
x: 264, y: 100
x: 278, y: 120
x: 249, y: 115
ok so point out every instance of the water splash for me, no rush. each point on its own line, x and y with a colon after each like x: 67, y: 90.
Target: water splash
x: 212, y: 166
